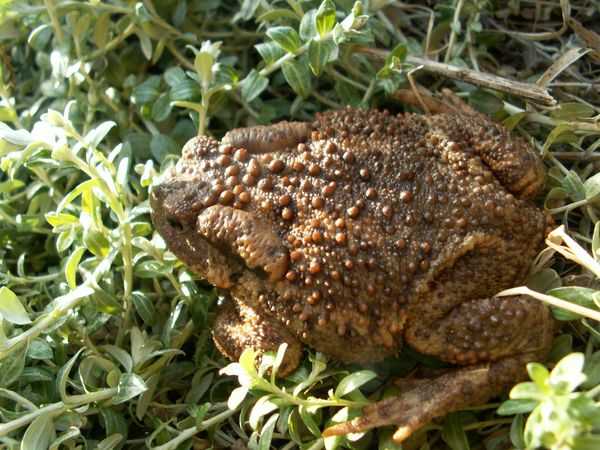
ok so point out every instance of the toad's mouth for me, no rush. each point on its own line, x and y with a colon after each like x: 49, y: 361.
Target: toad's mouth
x: 201, y: 253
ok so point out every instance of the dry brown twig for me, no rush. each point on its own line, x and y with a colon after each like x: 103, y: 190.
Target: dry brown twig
x: 533, y: 92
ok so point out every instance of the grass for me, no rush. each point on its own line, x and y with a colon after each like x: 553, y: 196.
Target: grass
x: 105, y: 336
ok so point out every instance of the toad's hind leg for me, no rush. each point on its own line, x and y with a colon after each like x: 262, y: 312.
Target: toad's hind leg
x: 426, y: 401
x: 515, y: 163
x: 491, y: 338
x: 517, y: 330
x: 238, y: 327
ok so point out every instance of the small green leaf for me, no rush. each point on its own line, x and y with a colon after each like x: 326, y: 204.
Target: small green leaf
x: 563, y: 132
x: 71, y: 267
x: 512, y: 121
x: 146, y: 92
x: 82, y: 26
x: 309, y: 421
x: 162, y: 145
x: 568, y: 373
x: 63, y: 219
x: 544, y: 280
x: 308, y: 28
x: 351, y: 36
x: 266, y: 434
x: 179, y: 13
x: 10, y: 185
x: 141, y: 13
x: 399, y: 52
x: 573, y: 185
x: 278, y: 360
x: 453, y: 433
x: 65, y: 239
x: 247, y: 359
x: 574, y: 294
x: 269, y: 52
x: 201, y: 413
x: 325, y: 18
x: 485, y: 101
x: 11, y: 367
x: 572, y: 112
x: 40, y: 349
x: 297, y: 75
x: 456, y: 28
x: 161, y: 108
x: 174, y: 75
x: 203, y: 63
x: 286, y: 37
x: 347, y: 93
x: 149, y: 269
x: 253, y: 85
x: 63, y: 375
x: 145, y: 43
x: 11, y: 308
x: 516, y: 406
x: 101, y: 29
x: 527, y: 390
x: 354, y: 381
x: 35, y: 374
x: 592, y: 186
x: 276, y: 14
x: 146, y: 398
x: 111, y: 442
x: 516, y: 431
x: 263, y: 406
x: 104, y: 302
x: 538, y: 373
x: 130, y: 385
x: 561, y: 346
x: 38, y: 433
x: 144, y: 307
x: 592, y: 371
x: 246, y: 10
x: 236, y: 397
x: 118, y: 354
x: 320, y: 53
x: 184, y: 90
x: 96, y: 242
x: 114, y: 423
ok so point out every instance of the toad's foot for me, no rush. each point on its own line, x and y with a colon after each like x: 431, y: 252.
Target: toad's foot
x: 425, y: 401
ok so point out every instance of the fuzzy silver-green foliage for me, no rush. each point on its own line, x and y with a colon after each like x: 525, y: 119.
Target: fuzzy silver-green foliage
x: 105, y: 336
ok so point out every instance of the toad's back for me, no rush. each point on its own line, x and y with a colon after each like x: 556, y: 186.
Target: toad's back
x: 371, y: 209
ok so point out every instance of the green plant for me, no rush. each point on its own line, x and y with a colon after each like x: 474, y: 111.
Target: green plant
x: 560, y: 417
x: 105, y: 336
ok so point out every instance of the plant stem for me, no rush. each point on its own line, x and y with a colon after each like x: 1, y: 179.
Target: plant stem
x: 192, y: 431
x: 50, y: 8
x: 55, y: 409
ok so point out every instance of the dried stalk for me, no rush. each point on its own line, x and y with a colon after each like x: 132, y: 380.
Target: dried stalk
x: 533, y: 92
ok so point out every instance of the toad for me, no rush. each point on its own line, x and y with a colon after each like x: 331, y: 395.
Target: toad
x: 362, y: 231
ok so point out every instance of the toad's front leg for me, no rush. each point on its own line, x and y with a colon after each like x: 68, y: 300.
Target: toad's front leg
x: 238, y: 326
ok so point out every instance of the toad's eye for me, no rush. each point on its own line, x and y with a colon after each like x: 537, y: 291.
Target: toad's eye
x: 234, y: 277
x: 174, y: 223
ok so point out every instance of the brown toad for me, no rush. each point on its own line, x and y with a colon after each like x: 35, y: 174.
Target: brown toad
x: 361, y: 231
